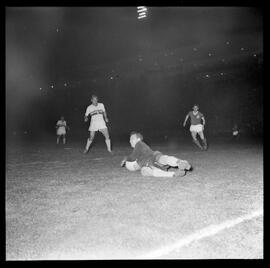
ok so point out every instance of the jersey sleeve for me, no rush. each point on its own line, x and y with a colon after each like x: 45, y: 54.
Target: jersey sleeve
x: 134, y: 155
x: 102, y: 107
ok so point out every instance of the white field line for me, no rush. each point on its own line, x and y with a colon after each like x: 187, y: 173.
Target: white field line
x: 53, y: 162
x: 205, y: 232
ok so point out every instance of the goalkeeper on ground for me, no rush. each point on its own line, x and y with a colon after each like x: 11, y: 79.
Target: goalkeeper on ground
x: 152, y: 163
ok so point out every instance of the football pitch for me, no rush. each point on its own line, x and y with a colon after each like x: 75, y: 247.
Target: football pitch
x: 64, y: 205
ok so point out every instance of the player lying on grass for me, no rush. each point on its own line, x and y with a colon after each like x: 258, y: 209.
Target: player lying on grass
x: 152, y: 163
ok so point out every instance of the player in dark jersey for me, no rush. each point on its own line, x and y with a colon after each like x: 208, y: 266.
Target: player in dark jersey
x: 197, y: 126
x: 152, y: 163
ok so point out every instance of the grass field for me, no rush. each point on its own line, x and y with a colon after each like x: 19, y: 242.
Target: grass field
x: 61, y: 204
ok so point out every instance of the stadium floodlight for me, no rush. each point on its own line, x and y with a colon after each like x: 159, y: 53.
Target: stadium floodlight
x: 142, y: 12
x: 141, y: 17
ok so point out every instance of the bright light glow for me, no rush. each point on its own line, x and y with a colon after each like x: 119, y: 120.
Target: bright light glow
x: 207, y: 76
x: 242, y: 48
x: 209, y: 54
x: 142, y: 13
x: 144, y: 16
x: 142, y: 9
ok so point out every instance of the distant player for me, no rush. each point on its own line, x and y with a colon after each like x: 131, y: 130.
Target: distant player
x: 197, y: 126
x: 235, y: 133
x: 152, y: 163
x: 98, y: 122
x: 61, y: 130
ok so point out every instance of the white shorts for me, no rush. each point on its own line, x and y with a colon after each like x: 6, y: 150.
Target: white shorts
x: 196, y: 128
x: 61, y: 131
x: 97, y: 125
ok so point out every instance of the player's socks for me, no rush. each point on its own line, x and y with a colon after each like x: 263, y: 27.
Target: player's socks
x: 179, y: 173
x: 183, y: 165
x: 156, y: 172
x: 88, y: 143
x: 198, y: 144
x: 108, y: 144
x: 204, y: 144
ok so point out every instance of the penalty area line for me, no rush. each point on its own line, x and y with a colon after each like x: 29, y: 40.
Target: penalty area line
x: 198, y: 235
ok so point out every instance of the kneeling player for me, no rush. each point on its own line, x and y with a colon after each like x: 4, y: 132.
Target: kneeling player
x: 152, y: 163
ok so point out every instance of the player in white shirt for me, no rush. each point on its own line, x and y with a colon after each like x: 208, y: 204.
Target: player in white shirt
x: 98, y: 122
x: 61, y: 130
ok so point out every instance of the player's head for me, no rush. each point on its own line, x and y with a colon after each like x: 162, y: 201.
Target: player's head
x: 195, y: 107
x: 134, y: 138
x: 62, y: 117
x: 94, y: 99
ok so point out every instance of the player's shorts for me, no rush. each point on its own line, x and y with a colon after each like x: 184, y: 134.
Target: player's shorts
x: 196, y: 128
x: 61, y: 131
x: 152, y: 160
x: 97, y: 125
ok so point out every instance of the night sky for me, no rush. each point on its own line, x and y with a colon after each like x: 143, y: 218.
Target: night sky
x: 148, y: 73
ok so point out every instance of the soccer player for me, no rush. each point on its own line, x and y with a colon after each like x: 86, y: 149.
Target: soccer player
x: 152, y: 163
x: 61, y: 130
x: 98, y: 118
x: 197, y: 126
x: 235, y: 132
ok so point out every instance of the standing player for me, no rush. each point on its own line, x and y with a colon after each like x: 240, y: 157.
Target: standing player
x: 197, y: 126
x: 61, y: 130
x: 98, y: 118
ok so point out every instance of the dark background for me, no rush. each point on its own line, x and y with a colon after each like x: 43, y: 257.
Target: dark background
x: 147, y: 73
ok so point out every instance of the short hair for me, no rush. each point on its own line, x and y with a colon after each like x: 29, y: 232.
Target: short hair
x: 94, y: 96
x: 138, y: 135
x: 195, y: 105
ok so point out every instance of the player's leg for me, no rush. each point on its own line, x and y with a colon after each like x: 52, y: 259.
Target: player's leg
x: 203, y: 139
x: 195, y: 140
x: 57, y: 139
x: 105, y: 133
x: 156, y: 172
x: 64, y: 139
x: 89, y: 141
x: 173, y: 162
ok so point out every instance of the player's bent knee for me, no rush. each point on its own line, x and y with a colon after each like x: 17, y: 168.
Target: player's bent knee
x: 146, y: 171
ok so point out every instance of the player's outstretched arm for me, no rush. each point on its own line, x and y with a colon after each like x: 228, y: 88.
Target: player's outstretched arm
x: 203, y: 119
x: 187, y: 116
x: 105, y: 116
